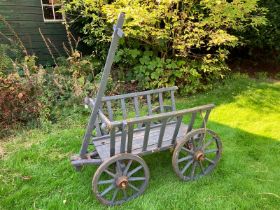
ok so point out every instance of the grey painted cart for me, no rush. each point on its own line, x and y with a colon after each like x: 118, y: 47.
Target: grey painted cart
x: 115, y: 140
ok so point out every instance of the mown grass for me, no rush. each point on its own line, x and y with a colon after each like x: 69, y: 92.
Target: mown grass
x: 35, y: 172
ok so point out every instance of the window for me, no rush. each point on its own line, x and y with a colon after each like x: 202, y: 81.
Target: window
x: 51, y: 10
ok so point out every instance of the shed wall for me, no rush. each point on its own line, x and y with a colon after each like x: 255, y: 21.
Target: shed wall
x: 25, y: 16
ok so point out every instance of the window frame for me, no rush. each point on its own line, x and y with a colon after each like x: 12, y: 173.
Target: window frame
x: 52, y: 6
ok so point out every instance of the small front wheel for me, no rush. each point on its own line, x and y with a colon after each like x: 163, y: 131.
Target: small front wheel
x: 197, y: 155
x: 120, y: 178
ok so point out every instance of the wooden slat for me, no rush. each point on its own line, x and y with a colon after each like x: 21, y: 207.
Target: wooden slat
x: 146, y: 135
x: 129, y: 95
x: 177, y: 128
x: 205, y: 118
x: 160, y: 98
x: 149, y: 102
x: 97, y: 127
x: 130, y: 138
x: 109, y: 108
x: 123, y: 108
x: 173, y: 100
x: 192, y: 122
x: 161, y: 133
x: 103, y: 147
x: 123, y: 137
x: 136, y: 107
x: 112, y: 142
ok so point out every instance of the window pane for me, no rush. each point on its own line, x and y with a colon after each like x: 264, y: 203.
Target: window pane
x: 48, y: 13
x: 46, y: 1
x: 57, y: 12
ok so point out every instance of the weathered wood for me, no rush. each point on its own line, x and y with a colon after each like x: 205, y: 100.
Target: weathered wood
x: 177, y: 127
x: 146, y: 135
x: 103, y: 147
x: 123, y: 137
x: 173, y: 105
x: 112, y: 142
x: 192, y: 121
x: 205, y: 118
x: 143, y: 93
x: 109, y: 109
x: 130, y: 138
x: 160, y: 98
x: 123, y: 108
x: 161, y: 133
x: 149, y: 103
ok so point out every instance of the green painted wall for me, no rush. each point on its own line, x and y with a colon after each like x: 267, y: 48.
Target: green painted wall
x: 26, y: 17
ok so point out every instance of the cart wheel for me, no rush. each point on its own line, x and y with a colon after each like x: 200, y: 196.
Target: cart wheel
x: 197, y: 155
x: 119, y: 179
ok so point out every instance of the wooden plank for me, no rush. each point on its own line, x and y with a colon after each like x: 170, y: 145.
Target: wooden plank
x: 103, y: 147
x: 149, y: 102
x: 146, y: 135
x: 192, y: 121
x: 124, y: 114
x: 109, y: 109
x: 177, y: 128
x: 130, y: 95
x: 205, y: 118
x: 161, y: 133
x: 160, y: 98
x: 130, y: 138
x: 123, y: 138
x: 173, y: 105
x: 112, y: 142
x: 136, y: 108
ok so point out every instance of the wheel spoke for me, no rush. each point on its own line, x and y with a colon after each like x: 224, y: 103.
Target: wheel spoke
x: 119, y: 169
x: 124, y: 194
x: 210, y: 151
x: 209, y: 160
x: 109, y: 181
x: 193, y: 143
x: 136, y: 178
x: 133, y: 187
x: 193, y: 169
x: 185, y: 158
x: 208, y: 143
x: 127, y: 167
x: 108, y: 189
x: 134, y: 170
x: 187, y: 150
x: 114, y: 195
x: 201, y: 167
x: 187, y: 166
x: 110, y: 173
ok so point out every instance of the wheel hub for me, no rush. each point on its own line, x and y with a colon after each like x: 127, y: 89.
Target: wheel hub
x: 122, y: 182
x: 199, y: 155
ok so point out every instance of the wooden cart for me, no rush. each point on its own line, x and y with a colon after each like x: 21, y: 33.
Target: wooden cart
x: 115, y: 140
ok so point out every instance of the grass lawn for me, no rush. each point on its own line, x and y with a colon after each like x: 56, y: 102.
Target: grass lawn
x: 35, y: 172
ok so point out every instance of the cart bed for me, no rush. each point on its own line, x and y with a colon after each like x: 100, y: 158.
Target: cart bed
x: 102, y: 146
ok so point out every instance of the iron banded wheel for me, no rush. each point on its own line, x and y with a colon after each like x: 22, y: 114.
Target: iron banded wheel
x: 197, y: 155
x: 121, y: 178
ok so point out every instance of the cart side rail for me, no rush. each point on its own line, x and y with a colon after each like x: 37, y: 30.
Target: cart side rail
x: 128, y: 127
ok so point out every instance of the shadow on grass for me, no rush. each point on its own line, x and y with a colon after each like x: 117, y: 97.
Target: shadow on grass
x: 246, y: 177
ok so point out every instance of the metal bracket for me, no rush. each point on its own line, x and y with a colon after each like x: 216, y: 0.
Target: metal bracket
x: 120, y: 32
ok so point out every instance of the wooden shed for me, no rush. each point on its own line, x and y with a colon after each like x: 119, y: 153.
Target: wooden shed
x: 26, y: 17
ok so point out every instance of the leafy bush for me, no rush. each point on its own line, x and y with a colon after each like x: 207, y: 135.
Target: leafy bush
x: 181, y: 42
